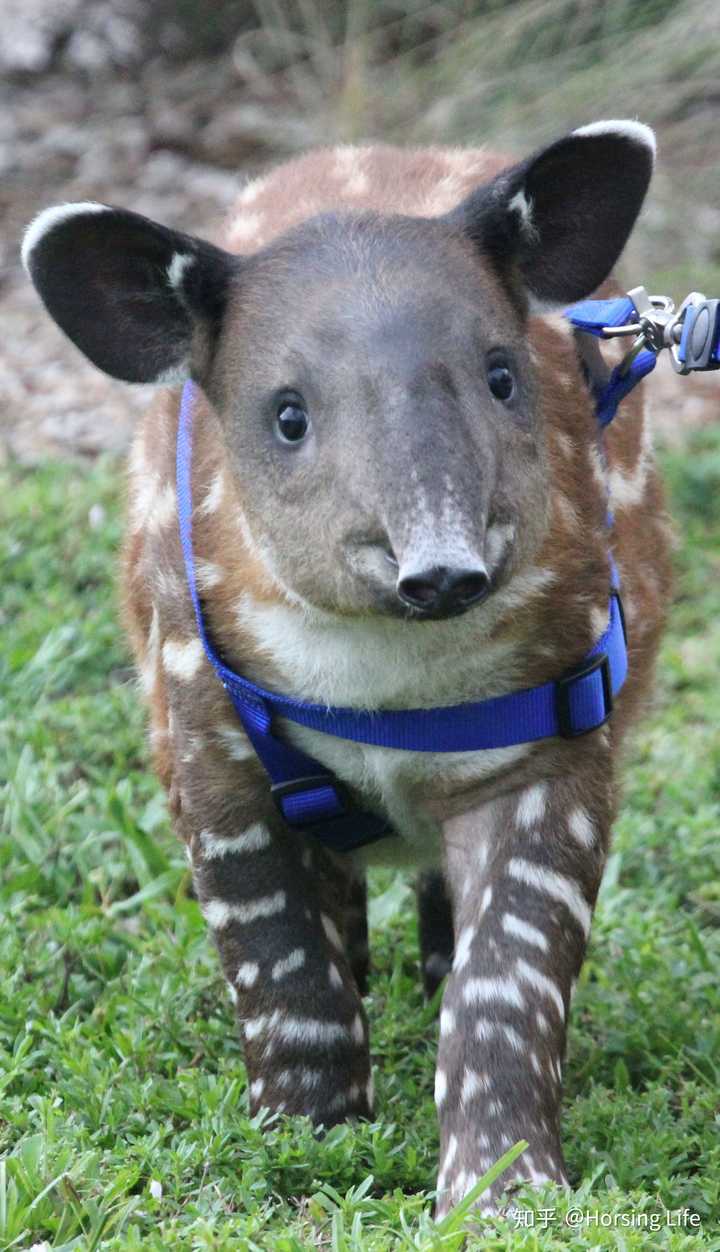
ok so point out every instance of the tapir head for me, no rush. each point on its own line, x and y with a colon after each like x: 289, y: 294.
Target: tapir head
x: 371, y: 373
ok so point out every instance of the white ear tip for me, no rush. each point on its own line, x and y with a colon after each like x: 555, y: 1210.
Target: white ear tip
x: 48, y: 219
x: 638, y: 132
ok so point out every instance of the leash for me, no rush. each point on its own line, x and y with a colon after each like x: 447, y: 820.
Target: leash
x: 307, y: 795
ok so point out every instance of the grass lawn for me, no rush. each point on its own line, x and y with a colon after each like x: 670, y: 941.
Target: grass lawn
x: 123, y: 1113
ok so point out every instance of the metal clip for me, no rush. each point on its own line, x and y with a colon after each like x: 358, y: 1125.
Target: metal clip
x: 653, y: 314
x: 660, y: 325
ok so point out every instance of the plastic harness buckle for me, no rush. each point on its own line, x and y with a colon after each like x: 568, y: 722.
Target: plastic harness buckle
x: 699, y: 338
x: 337, y: 804
x: 565, y: 688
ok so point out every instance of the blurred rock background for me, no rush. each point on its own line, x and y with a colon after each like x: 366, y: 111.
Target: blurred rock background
x: 167, y: 106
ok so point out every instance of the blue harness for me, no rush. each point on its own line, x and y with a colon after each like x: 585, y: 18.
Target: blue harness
x: 308, y: 796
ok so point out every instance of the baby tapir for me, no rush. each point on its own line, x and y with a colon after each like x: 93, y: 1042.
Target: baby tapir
x: 400, y: 502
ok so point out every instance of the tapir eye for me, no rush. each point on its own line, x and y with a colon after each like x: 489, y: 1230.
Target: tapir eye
x: 500, y: 381
x: 292, y: 420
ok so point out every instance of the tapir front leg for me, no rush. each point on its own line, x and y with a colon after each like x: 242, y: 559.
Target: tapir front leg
x: 275, y: 906
x: 524, y: 874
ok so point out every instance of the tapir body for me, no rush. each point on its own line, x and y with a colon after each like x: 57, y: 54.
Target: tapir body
x: 400, y: 501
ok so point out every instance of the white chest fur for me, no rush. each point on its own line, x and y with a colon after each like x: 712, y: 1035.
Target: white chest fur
x: 375, y: 664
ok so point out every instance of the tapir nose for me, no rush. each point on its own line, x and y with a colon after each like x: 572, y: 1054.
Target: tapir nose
x: 442, y: 591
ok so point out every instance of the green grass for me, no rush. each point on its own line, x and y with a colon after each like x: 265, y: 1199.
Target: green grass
x: 119, y: 1063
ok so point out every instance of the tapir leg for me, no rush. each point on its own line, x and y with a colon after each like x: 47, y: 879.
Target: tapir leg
x: 524, y: 873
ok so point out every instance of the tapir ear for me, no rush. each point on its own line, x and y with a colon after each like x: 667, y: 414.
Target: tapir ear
x: 560, y: 219
x: 141, y: 301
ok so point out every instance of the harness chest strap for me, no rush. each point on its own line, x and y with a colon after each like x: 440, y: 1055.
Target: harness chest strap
x: 309, y: 797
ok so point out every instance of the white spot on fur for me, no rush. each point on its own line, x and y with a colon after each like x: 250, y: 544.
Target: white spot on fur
x: 294, y: 1030
x: 176, y: 270
x: 303, y: 1077
x: 144, y: 491
x: 182, y: 659
x: 235, y: 742
x: 485, y: 1029
x: 247, y: 974
x: 331, y: 931
x: 542, y: 1022
x: 553, y: 884
x: 256, y: 1088
x: 523, y: 208
x: 451, y: 1153
x: 253, y: 839
x: 524, y: 587
x: 581, y: 828
x: 255, y: 1026
x: 163, y: 509
x: 169, y: 584
x: 288, y: 964
x: 308, y: 1030
x: 358, y: 1030
x: 219, y: 913
x: 531, y: 807
x: 626, y: 490
x: 334, y: 975
x: 569, y: 516
x: 516, y: 1041
x: 480, y: 990
x: 208, y: 575
x: 213, y: 499
x: 194, y: 744
x: 149, y: 667
x: 233, y: 993
x: 462, y: 950
x: 440, y: 1086
x: 496, y: 541
x: 246, y: 227
x: 599, y: 620
x: 513, y: 925
x: 472, y: 1084
x: 447, y: 1022
x: 535, y: 977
